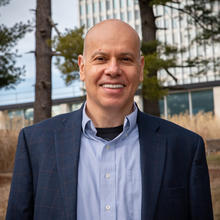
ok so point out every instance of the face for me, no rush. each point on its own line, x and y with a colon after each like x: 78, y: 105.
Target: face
x: 111, y: 67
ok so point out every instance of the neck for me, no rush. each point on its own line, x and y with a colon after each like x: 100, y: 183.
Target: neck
x: 109, y: 117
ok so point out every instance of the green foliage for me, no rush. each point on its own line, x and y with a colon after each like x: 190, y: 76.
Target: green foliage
x: 67, y: 47
x: 153, y: 52
x: 152, y: 88
x: 10, y: 74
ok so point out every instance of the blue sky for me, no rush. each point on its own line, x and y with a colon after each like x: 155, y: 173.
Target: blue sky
x: 65, y: 14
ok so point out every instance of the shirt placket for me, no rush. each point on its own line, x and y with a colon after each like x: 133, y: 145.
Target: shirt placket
x: 108, y: 183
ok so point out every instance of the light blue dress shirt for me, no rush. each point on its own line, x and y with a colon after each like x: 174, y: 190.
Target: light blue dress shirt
x: 109, y: 177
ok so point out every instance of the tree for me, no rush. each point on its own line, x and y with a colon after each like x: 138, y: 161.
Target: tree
x: 10, y: 74
x: 43, y: 102
x: 67, y: 47
x: 199, y: 13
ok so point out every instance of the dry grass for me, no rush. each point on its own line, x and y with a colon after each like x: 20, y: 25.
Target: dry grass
x: 8, y: 143
x: 15, y: 123
x: 5, y: 181
x: 205, y: 124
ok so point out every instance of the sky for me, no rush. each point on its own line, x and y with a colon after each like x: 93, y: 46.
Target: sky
x: 65, y: 14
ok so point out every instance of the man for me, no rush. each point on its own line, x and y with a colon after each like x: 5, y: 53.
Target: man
x: 108, y: 160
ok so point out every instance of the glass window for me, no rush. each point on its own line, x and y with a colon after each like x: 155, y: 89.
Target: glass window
x: 202, y: 101
x: 95, y: 20
x: 129, y: 15
x: 95, y: 7
x: 88, y: 8
x: 159, y: 10
x: 175, y: 38
x: 81, y: 22
x: 137, y: 27
x: 177, y: 103
x: 174, y: 22
x: 16, y: 113
x: 75, y: 106
x: 29, y: 114
x: 122, y: 16
x: 107, y: 5
x: 115, y: 4
x: 102, y: 6
x: 167, y: 23
x: 81, y: 10
x: 122, y: 3
x: 136, y: 14
x: 167, y: 11
x: 129, y: 3
x: 161, y: 106
x: 88, y: 22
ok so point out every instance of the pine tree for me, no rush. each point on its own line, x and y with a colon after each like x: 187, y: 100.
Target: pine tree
x: 10, y: 73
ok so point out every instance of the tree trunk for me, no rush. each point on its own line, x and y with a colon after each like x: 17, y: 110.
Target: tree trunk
x: 148, y: 34
x: 43, y: 102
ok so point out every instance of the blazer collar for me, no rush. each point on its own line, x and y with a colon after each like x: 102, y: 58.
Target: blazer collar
x: 67, y: 146
x: 153, y: 155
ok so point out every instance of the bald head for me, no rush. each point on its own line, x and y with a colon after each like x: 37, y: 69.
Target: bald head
x: 111, y: 29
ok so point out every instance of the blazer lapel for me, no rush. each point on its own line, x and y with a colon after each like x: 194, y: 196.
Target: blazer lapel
x: 153, y: 154
x: 67, y: 145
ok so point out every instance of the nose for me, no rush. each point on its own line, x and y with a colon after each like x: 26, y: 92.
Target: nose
x: 113, y: 68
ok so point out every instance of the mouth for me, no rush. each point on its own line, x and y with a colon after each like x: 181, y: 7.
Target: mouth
x: 113, y: 86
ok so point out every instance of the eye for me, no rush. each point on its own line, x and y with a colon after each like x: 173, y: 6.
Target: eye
x: 100, y: 58
x: 126, y: 59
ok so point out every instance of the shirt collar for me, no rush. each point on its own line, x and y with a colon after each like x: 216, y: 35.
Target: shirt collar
x: 130, y: 122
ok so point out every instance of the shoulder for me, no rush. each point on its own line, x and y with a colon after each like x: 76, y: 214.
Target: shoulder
x: 48, y: 126
x: 165, y: 127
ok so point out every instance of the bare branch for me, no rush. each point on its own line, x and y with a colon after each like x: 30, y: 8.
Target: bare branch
x: 188, y: 13
x: 171, y: 75
x: 54, y: 26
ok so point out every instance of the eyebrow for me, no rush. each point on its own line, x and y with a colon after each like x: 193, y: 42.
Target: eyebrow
x: 98, y: 53
x: 105, y: 54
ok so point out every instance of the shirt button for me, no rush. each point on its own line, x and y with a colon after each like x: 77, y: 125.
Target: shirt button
x: 107, y: 147
x: 107, y: 207
x: 107, y: 175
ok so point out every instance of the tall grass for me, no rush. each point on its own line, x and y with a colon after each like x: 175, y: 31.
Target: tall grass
x: 205, y: 124
x: 15, y: 123
x: 8, y: 142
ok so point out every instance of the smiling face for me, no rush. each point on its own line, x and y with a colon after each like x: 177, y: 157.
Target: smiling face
x: 111, y: 66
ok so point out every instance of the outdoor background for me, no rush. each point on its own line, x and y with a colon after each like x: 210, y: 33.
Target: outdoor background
x: 65, y: 15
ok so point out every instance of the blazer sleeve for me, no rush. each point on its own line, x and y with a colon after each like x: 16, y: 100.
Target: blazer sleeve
x: 200, y: 195
x: 21, y: 202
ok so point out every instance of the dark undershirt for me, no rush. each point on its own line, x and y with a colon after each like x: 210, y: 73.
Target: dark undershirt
x: 109, y: 133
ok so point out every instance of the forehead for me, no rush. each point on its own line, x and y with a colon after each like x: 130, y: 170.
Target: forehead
x: 112, y: 37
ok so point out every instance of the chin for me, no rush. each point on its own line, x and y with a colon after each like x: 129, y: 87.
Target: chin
x: 115, y: 104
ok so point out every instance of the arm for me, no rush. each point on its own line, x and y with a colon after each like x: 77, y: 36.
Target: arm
x: 200, y: 195
x: 21, y: 202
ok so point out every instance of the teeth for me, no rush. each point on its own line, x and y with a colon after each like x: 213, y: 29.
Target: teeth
x: 113, y: 86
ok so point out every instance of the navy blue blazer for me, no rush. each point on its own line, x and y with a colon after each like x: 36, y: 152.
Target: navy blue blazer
x: 175, y: 180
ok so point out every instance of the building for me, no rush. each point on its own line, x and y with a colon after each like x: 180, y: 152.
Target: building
x: 190, y: 94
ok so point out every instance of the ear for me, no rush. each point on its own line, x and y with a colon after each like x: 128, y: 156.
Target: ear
x: 142, y: 68
x: 81, y: 67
